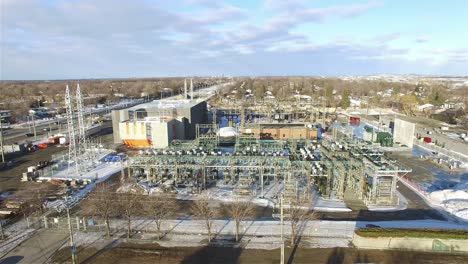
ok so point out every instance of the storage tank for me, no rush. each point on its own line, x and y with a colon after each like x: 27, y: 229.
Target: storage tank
x: 227, y: 135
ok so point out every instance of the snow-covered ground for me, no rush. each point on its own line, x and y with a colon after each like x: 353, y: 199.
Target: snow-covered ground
x: 259, y: 234
x: 446, y: 190
x: 402, y: 205
x: 14, y: 240
x: 414, y: 224
x: 98, y: 173
x: 330, y: 205
x: 454, y: 199
x: 95, y: 171
x: 313, y: 228
x: 226, y: 193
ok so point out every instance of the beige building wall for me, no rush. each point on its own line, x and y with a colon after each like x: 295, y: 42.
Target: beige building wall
x: 132, y: 130
x: 283, y: 132
x: 159, y: 136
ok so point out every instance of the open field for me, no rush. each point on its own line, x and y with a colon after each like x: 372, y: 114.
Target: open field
x: 10, y: 177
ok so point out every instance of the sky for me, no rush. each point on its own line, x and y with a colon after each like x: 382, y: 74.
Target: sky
x: 72, y: 39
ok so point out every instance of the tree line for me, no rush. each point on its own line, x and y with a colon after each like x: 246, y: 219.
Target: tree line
x: 105, y: 204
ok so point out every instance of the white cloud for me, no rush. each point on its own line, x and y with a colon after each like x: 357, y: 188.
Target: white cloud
x: 99, y: 38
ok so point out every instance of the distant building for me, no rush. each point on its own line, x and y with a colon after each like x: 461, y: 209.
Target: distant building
x: 425, y: 107
x: 282, y: 131
x: 403, y: 132
x: 355, y: 102
x: 5, y: 116
x: 42, y: 112
x: 453, y: 105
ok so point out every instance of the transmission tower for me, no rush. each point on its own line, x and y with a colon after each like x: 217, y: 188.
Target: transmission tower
x: 81, y: 124
x: 72, y: 153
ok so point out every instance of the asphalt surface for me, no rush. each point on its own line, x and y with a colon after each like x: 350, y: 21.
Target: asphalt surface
x: 37, y: 249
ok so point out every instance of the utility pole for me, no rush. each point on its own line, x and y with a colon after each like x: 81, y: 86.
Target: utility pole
x: 34, y: 127
x: 72, y: 243
x: 1, y: 143
x: 282, y: 229
x: 2, y: 235
x: 70, y: 232
x: 29, y: 124
x: 50, y: 130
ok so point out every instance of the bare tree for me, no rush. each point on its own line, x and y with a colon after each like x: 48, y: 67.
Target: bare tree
x: 159, y: 208
x: 129, y: 204
x: 239, y: 211
x: 101, y: 203
x: 202, y: 209
x: 298, y: 212
x: 30, y: 201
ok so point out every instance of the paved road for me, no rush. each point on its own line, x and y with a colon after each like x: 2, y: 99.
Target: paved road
x: 36, y: 249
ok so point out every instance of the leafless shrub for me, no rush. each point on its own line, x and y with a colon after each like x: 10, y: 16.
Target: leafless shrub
x: 129, y: 205
x: 101, y: 203
x: 298, y: 212
x: 239, y: 211
x: 159, y: 208
x: 203, y: 210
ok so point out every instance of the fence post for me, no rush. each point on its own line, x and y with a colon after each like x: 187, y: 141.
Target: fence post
x: 27, y: 222
x: 46, y: 224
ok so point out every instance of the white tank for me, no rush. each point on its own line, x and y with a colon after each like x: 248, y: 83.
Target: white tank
x: 227, y: 132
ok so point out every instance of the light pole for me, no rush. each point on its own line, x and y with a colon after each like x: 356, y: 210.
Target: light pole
x: 1, y: 141
x: 282, y: 228
x: 2, y: 234
x: 72, y: 243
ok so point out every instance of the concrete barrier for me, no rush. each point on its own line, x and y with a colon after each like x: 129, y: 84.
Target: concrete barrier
x: 412, y: 243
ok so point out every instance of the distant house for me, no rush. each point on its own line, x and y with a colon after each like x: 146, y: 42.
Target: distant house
x: 5, y: 116
x: 453, y: 105
x: 303, y: 97
x: 42, y: 112
x: 355, y: 102
x: 387, y: 93
x: 425, y: 107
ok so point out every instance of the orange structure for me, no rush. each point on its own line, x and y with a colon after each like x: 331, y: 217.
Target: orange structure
x: 137, y: 143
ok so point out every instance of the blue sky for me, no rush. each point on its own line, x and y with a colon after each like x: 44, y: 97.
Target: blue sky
x: 59, y: 39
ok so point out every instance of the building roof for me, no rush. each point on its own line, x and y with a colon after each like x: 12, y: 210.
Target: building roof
x: 277, y: 125
x: 165, y: 104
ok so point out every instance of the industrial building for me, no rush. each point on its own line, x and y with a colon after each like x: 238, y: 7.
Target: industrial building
x: 403, y: 132
x: 156, y: 124
x: 5, y: 116
x: 281, y: 131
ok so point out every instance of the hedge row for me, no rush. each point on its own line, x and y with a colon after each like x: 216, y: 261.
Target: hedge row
x: 413, y: 232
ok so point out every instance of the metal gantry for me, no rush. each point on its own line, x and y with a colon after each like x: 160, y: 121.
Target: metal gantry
x: 334, y: 167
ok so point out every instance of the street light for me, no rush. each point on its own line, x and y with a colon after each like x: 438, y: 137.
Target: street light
x: 1, y: 141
